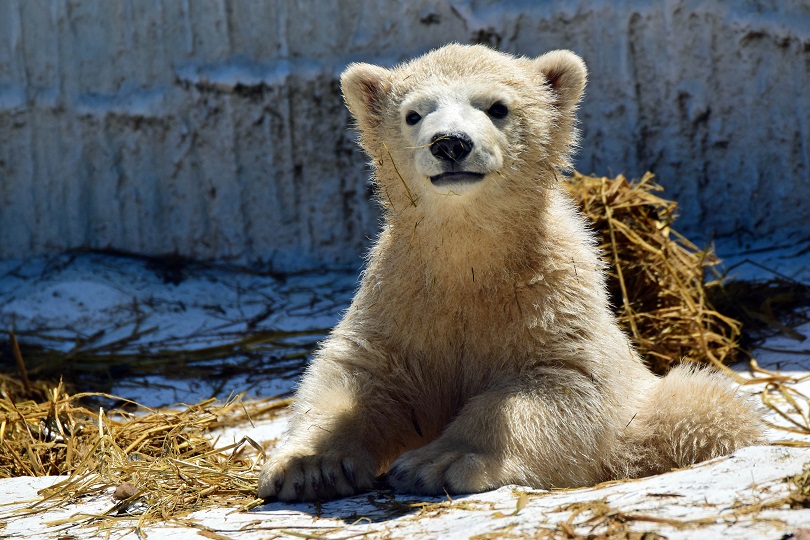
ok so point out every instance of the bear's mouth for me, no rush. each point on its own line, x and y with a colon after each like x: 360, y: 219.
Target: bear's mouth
x: 456, y: 178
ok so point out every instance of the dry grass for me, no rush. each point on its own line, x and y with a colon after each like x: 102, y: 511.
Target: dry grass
x: 164, y: 463
x: 657, y: 277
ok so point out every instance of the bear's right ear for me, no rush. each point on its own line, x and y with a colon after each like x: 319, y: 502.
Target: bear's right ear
x: 365, y: 88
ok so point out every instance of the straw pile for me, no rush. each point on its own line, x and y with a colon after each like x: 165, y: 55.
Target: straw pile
x: 656, y: 276
x: 163, y: 463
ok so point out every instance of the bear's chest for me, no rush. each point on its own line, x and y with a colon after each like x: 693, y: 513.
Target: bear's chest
x: 467, y: 327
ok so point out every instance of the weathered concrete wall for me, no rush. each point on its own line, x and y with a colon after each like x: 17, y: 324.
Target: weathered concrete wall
x: 215, y: 128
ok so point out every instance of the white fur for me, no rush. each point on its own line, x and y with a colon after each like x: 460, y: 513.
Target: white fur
x: 480, y: 349
x: 452, y: 109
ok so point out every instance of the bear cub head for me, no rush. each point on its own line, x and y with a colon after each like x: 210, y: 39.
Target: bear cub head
x: 464, y: 122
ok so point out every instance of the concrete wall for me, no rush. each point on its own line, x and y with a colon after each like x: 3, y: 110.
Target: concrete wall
x: 215, y: 128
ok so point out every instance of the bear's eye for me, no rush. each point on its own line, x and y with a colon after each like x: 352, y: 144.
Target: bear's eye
x: 498, y: 110
x: 412, y: 118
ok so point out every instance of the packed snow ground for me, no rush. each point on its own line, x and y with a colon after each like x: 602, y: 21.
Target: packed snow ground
x: 133, y: 305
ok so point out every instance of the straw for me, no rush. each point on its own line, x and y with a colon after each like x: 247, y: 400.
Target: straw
x: 656, y: 276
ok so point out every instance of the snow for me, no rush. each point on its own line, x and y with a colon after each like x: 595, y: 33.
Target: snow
x: 74, y: 296
x: 766, y: 258
x: 130, y: 305
x: 716, y: 492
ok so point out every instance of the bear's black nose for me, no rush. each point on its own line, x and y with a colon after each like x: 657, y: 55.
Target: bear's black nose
x: 449, y: 147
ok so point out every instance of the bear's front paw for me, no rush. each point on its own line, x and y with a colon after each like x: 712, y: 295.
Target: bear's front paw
x: 309, y: 478
x: 433, y: 470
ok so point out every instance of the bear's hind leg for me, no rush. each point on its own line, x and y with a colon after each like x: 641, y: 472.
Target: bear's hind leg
x: 691, y: 415
x: 545, y: 432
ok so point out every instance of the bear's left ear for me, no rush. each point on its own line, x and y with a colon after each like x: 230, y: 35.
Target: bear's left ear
x: 365, y: 88
x: 566, y: 75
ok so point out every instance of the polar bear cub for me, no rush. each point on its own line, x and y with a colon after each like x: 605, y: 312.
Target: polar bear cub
x: 479, y: 349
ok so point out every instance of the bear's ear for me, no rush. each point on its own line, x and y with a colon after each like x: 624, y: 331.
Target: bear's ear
x: 365, y: 88
x: 566, y: 74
